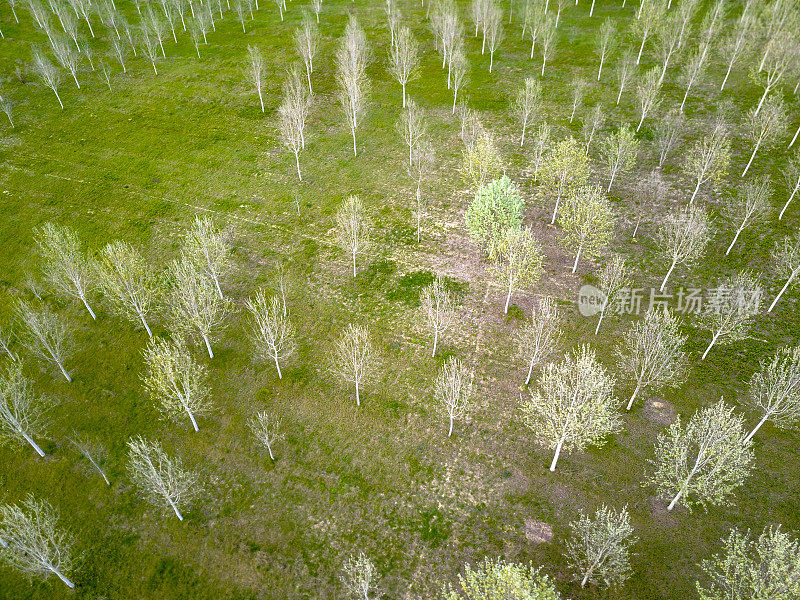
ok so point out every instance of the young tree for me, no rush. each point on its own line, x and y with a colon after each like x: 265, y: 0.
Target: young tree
x: 149, y: 44
x: 708, y: 159
x: 351, y: 63
x: 518, y: 259
x: 599, y: 549
x: 317, y: 5
x: 195, y: 307
x: 22, y: 413
x: 306, y: 39
x: 765, y: 127
x: 766, y: 567
x: 453, y: 389
x: 619, y: 150
x: 67, y: 56
x: 161, y: 478
x: 682, y: 238
x: 536, y: 18
x: 625, y: 68
x: 458, y: 69
x: 353, y: 228
x: 292, y: 114
x: 266, y: 430
x: 494, y: 30
x: 5, y: 344
x: 587, y: 223
x: 747, y: 206
x: 613, y: 279
x: 650, y: 17
x: 438, y: 308
x: 667, y: 133
x: 786, y: 262
x: 528, y: 103
x: 63, y: 263
x: 538, y: 337
x: 565, y: 169
x: 94, y: 454
x: 548, y: 37
x: 703, y: 462
x: 273, y: 335
x: 738, y: 42
x: 34, y: 544
x: 255, y: 70
x: 500, y: 579
x: 729, y: 312
x: 541, y: 144
x: 422, y: 164
x: 593, y: 124
x: 358, y: 576
x: 481, y: 160
x: 781, y: 59
x: 668, y: 41
x: 791, y: 173
x: 7, y: 105
x: 574, y: 405
x: 411, y: 126
x: 127, y: 281
x: 775, y: 390
x: 176, y: 380
x: 496, y: 207
x: 354, y: 358
x: 693, y: 70
x: 46, y: 335
x: 605, y: 42
x: 210, y: 250
x: 647, y: 94
x: 578, y: 89
x: 651, y: 353
x: 404, y: 58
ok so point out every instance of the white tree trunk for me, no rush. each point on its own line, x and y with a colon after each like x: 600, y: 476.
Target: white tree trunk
x: 713, y: 341
x: 61, y: 576
x: 89, y: 308
x: 260, y: 98
x: 358, y: 396
x: 666, y: 277
x: 208, y: 346
x: 760, y: 102
x: 600, y: 70
x: 783, y: 289
x: 35, y: 446
x: 756, y: 428
x: 791, y: 197
x: 675, y: 500
x: 577, y: 258
x: 146, y: 326
x: 191, y: 417
x: 175, y: 508
x: 794, y: 139
x: 435, y: 341
x: 64, y: 371
x: 277, y: 366
x: 633, y: 396
x: 558, y: 452
x: 735, y: 237
x: 508, y: 298
x: 602, y: 314
x: 696, y: 189
x: 450, y: 432
x: 752, y: 156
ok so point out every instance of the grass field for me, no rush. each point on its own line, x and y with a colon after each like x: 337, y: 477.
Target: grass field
x: 139, y: 162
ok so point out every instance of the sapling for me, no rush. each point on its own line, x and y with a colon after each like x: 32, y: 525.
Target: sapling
x: 45, y: 335
x: 587, y: 223
x: 273, y: 335
x: 23, y: 414
x: 786, y: 262
x: 747, y: 206
x: 528, y: 103
x: 599, y: 547
x: 404, y: 58
x: 354, y: 358
x: 682, y: 238
x: 765, y: 127
x: 613, y: 279
x: 453, y: 390
x: 791, y: 173
x: 536, y: 340
x: 266, y: 430
x: 517, y: 262
x: 619, y: 151
x: 353, y: 229
x: 729, y: 311
x: 438, y: 309
x: 774, y: 390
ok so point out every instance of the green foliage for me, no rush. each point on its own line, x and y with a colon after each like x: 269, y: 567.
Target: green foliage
x: 587, y: 222
x: 501, y: 580
x: 496, y: 207
x: 481, y: 161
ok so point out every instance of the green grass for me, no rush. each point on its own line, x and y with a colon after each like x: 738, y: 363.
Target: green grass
x: 139, y: 162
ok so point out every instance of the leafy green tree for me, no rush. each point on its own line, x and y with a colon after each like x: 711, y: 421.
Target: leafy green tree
x: 564, y: 169
x: 775, y: 390
x: 518, y: 260
x: 618, y: 152
x: 587, y: 223
x: 498, y: 579
x: 497, y: 206
x: 481, y: 161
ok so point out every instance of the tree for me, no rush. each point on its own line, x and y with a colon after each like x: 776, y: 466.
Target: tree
x: 481, y: 160
x: 494, y: 30
x: 95, y: 455
x: 458, y: 69
x: 708, y: 159
x: 625, y: 68
x: 358, y: 576
x: 500, y: 579
x: 292, y: 114
x: 67, y: 56
x: 548, y: 36
x: 682, y: 238
x: 738, y: 42
x: 748, y: 205
x: 273, y: 335
x: 22, y: 412
x: 587, y: 223
x: 353, y: 228
x: 774, y: 390
x: 599, y: 549
x: 354, y: 358
x: 647, y: 94
x: 565, y: 169
x: 351, y: 63
x: 149, y: 43
x: 404, y: 58
x: 5, y: 344
x: 254, y: 70
x: 518, y: 259
x: 729, y: 311
x: 786, y: 261
x: 703, y: 462
x: 693, y: 70
x: 765, y: 127
x: 438, y: 307
x: 593, y: 124
x: 668, y: 40
x: 538, y: 337
x: 195, y: 307
x: 573, y: 406
x: 528, y: 103
x: 791, y: 173
x: 667, y: 133
x: 780, y: 59
x: 411, y: 126
x: 496, y: 207
x: 453, y: 389
x: 422, y: 164
x: 613, y: 279
x: 578, y: 89
x: 127, y: 282
x: 35, y: 544
x: 266, y: 429
x: 619, y: 150
x: 176, y: 380
x: 64, y: 265
x: 210, y: 250
x: 161, y: 478
x: 306, y: 39
x: 766, y: 567
x: 7, y: 105
x: 651, y: 353
x: 536, y: 21
x: 541, y: 143
x: 46, y: 335
x: 651, y: 14
x: 317, y: 4
x: 605, y: 42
